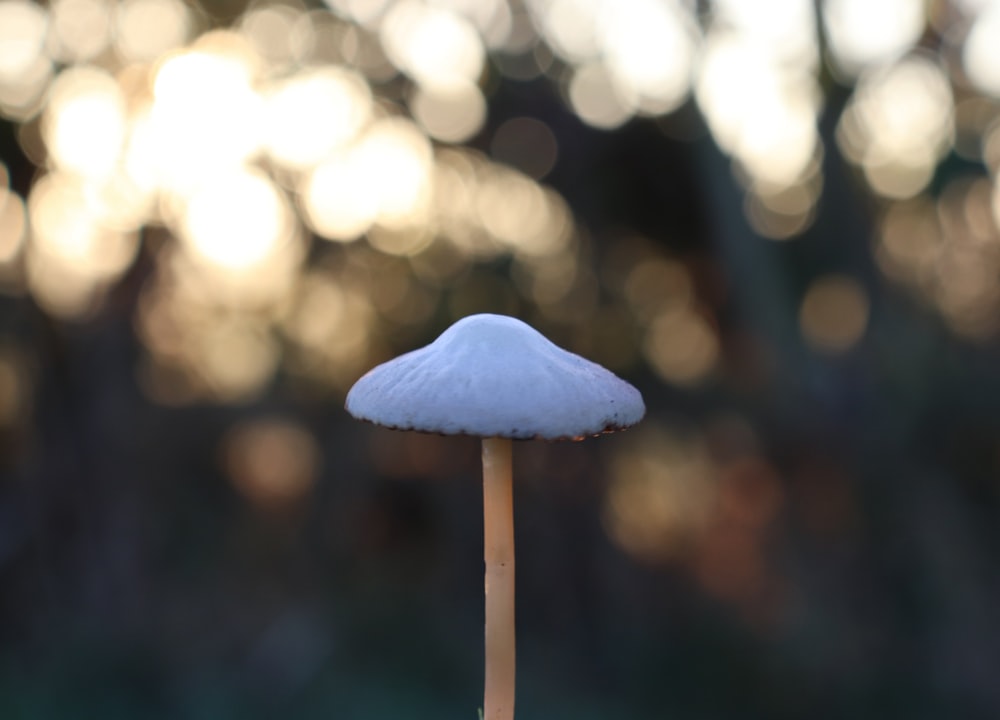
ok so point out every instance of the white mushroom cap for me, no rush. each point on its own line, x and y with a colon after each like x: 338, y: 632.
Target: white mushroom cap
x: 494, y: 376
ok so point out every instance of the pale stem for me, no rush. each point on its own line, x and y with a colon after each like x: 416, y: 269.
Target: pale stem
x: 498, y: 550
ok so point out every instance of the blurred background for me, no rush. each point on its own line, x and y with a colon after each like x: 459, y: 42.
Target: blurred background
x: 778, y: 219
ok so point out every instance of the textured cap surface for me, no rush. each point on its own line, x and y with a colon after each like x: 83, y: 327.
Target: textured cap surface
x: 495, y: 376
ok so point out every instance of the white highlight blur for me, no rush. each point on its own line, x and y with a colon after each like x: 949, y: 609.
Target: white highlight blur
x: 866, y: 33
x: 237, y: 220
x: 981, y: 52
x: 84, y: 124
x: 435, y: 47
x: 899, y: 124
x: 628, y: 56
x: 206, y: 113
x: 310, y: 115
x: 760, y: 111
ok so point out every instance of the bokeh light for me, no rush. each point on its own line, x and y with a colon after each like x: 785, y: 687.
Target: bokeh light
x: 594, y: 97
x: 437, y: 48
x: 237, y: 221
x: 13, y: 228
x: 785, y: 29
x: 80, y: 30
x: 206, y: 114
x: 865, y: 35
x: 453, y: 113
x: 756, y: 108
x: 215, y: 216
x: 527, y: 144
x: 310, y: 115
x: 25, y: 67
x: 649, y: 48
x: 364, y: 12
x: 834, y: 313
x: 279, y: 33
x: 761, y: 100
x: 394, y: 159
x: 899, y: 125
x: 628, y: 58
x: 22, y: 38
x: 273, y: 462
x: 948, y: 253
x: 681, y: 346
x: 337, y: 204
x: 335, y: 121
x: 662, y: 487
x: 147, y: 29
x: 72, y: 254
x: 980, y: 54
x: 331, y: 321
x: 84, y: 123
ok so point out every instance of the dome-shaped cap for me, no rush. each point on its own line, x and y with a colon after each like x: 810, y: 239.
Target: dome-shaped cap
x: 494, y: 376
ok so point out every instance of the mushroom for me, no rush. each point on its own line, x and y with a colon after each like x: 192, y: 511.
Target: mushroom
x: 496, y: 378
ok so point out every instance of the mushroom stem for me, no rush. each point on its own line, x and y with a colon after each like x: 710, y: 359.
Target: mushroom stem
x: 498, y: 551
